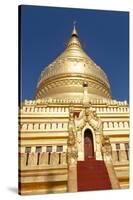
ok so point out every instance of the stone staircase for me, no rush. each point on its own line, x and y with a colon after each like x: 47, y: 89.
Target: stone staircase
x: 92, y: 175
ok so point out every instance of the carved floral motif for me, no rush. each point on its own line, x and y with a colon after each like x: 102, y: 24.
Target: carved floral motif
x: 72, y: 142
x: 106, y: 148
x: 72, y: 148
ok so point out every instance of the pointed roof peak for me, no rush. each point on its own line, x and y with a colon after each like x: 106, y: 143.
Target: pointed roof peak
x: 74, y: 40
x: 74, y: 31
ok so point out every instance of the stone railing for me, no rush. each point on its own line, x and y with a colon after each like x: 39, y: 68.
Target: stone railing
x: 120, y: 152
x: 43, y: 126
x: 112, y: 109
x: 43, y: 159
x: 44, y: 109
x: 66, y: 100
x: 65, y: 110
x: 124, y: 124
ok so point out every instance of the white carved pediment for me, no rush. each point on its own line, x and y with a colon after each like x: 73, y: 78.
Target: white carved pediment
x: 88, y: 115
x: 87, y: 119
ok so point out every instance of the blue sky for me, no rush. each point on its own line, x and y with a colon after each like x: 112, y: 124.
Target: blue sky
x: 104, y: 35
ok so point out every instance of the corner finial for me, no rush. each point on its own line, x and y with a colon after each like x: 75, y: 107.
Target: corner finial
x: 74, y: 32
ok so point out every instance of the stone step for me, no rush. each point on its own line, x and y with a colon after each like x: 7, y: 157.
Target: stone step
x: 92, y: 175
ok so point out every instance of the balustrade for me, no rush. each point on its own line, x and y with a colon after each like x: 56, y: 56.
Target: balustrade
x: 43, y: 159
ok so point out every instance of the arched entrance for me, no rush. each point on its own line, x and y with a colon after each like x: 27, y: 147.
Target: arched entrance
x: 88, y: 144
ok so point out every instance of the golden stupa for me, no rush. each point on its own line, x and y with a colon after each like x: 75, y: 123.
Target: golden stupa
x: 73, y: 70
x: 73, y: 135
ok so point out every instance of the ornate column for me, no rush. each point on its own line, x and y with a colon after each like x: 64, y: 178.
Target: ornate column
x: 79, y: 144
x: 98, y: 146
x: 72, y: 155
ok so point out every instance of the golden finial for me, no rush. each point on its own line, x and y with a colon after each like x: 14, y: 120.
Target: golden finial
x: 74, y: 32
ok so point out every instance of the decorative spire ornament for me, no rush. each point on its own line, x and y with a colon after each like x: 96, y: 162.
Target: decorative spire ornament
x: 74, y: 31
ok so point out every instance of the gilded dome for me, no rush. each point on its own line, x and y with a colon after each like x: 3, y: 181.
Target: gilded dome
x: 67, y: 75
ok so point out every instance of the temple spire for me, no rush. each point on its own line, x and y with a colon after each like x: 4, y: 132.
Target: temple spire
x: 74, y: 31
x: 74, y: 40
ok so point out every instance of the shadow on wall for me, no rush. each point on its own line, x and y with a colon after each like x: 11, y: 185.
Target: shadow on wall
x: 13, y: 189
